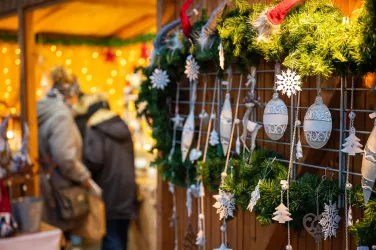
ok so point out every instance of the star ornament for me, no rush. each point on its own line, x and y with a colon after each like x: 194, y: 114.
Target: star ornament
x: 178, y: 121
x: 159, y: 79
x: 289, y: 82
x: 225, y: 204
x: 191, y: 68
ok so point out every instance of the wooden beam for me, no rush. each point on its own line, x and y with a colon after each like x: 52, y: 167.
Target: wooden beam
x: 165, y: 12
x: 26, y: 40
x: 136, y: 27
x: 121, y: 3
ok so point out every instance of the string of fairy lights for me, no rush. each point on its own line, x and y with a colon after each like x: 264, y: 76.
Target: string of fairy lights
x: 98, y: 69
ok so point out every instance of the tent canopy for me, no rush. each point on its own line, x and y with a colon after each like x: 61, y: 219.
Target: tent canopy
x: 97, y: 18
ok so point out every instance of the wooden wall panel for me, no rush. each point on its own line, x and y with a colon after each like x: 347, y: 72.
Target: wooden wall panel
x: 244, y: 232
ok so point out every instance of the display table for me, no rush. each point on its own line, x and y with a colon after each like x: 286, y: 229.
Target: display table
x: 49, y: 238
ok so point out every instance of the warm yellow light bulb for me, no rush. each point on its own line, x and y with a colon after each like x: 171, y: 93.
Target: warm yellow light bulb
x: 10, y: 134
x: 89, y: 78
x: 53, y: 48
x: 5, y: 70
x: 84, y: 70
x: 9, y: 88
x: 119, y: 53
x: 13, y: 110
x: 123, y: 62
x: 112, y: 91
x: 110, y: 81
x: 39, y: 92
x: 6, y: 95
x: 141, y: 61
x: 95, y: 55
x: 69, y: 71
x: 114, y: 73
x: 17, y: 61
x: 4, y: 50
x: 59, y: 53
x: 68, y: 62
x: 128, y: 77
x: 93, y: 89
x: 18, y: 51
x: 7, y: 81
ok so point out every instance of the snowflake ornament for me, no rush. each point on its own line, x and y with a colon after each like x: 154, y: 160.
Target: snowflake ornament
x: 191, y: 68
x: 225, y: 204
x: 255, y: 196
x: 159, y: 79
x: 289, y: 82
x: 329, y: 220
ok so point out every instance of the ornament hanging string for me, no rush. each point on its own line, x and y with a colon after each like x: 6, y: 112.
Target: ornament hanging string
x: 210, y: 120
x: 203, y: 114
x: 277, y: 71
x: 176, y: 122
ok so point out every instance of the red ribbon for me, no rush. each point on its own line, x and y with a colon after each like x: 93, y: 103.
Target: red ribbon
x: 184, y: 18
x: 278, y: 13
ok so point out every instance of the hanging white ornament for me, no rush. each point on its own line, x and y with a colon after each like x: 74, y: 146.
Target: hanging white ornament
x: 275, y: 118
x: 352, y: 145
x: 288, y: 82
x: 222, y: 247
x: 159, y: 79
x: 238, y: 145
x: 226, y: 124
x: 225, y: 204
x: 195, y: 154
x: 221, y: 55
x: 329, y: 220
x: 255, y: 196
x: 317, y: 124
x: 282, y: 214
x: 191, y: 68
x: 178, y: 121
x: 288, y: 247
x: 299, y: 150
x: 214, y: 138
x: 188, y: 134
x: 200, y: 240
x: 349, y: 217
x: 369, y: 163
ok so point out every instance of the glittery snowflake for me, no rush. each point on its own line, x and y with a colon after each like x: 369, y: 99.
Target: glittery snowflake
x: 330, y: 219
x: 289, y: 82
x: 225, y: 204
x: 255, y: 196
x: 159, y: 79
x: 191, y: 68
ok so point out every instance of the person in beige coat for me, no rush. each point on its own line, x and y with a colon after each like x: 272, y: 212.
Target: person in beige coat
x: 60, y: 142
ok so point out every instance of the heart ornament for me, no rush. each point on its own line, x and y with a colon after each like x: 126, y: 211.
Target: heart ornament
x: 313, y: 227
x: 195, y: 154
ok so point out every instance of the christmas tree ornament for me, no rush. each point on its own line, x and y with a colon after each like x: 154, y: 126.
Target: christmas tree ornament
x: 282, y: 214
x: 225, y: 204
x: 317, y: 124
x: 313, y: 227
x: 369, y: 163
x: 226, y: 124
x: 159, y: 79
x: 177, y: 122
x: 191, y: 69
x: 330, y: 220
x: 255, y: 196
x: 352, y: 145
x: 221, y: 55
x: 299, y: 150
x: 189, y: 241
x: 189, y: 126
x: 275, y: 113
x: 349, y: 218
x: 207, y: 34
x: 288, y: 82
x: 214, y: 138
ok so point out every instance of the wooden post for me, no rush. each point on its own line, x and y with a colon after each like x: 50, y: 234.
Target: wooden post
x: 26, y: 40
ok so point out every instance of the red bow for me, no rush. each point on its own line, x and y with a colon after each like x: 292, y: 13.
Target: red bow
x: 278, y: 13
x: 185, y: 19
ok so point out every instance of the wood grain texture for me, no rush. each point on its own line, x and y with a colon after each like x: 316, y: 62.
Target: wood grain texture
x: 244, y: 232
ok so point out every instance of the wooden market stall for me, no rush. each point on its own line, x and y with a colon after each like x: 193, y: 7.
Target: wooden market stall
x: 244, y: 231
x: 102, y: 42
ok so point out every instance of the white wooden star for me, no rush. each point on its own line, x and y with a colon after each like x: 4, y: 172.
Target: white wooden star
x: 177, y: 120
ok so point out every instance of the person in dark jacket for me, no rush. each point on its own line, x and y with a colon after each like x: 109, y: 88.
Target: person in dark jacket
x: 108, y: 153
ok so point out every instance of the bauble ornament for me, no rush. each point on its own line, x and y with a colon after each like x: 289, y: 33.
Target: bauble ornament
x: 275, y: 118
x: 317, y: 124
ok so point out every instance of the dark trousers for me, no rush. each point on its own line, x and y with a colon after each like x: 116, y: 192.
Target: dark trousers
x: 117, y: 235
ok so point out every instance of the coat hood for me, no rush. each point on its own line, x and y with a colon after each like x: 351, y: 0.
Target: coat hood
x: 110, y: 124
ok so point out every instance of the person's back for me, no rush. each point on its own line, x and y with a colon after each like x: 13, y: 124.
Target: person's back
x: 108, y: 153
